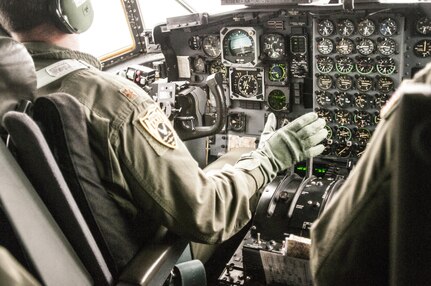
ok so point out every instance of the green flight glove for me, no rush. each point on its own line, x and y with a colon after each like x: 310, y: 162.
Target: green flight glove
x: 279, y: 150
x: 268, y: 130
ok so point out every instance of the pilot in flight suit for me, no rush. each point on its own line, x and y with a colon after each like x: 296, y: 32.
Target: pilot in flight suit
x: 350, y: 239
x: 141, y: 160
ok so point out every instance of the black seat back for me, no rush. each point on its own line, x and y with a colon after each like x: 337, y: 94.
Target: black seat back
x: 40, y: 167
x: 63, y: 123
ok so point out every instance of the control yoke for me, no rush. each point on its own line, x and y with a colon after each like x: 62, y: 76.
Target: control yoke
x: 189, y: 131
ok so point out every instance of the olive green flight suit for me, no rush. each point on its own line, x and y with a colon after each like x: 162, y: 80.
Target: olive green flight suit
x: 350, y: 240
x: 149, y: 174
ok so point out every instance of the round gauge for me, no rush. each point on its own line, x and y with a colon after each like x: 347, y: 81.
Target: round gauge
x: 343, y: 133
x: 385, y: 84
x: 326, y: 114
x: 273, y: 46
x: 364, y: 65
x: 195, y: 42
x: 360, y: 149
x: 239, y: 46
x: 363, y: 135
x: 364, y: 83
x: 386, y: 46
x: 344, y: 149
x: 325, y: 28
x: 277, y: 100
x: 343, y: 117
x: 324, y: 82
x: 366, y: 27
x: 345, y: 27
x: 344, y: 64
x: 345, y: 46
x: 380, y: 100
x: 325, y: 46
x: 324, y: 64
x: 277, y: 72
x: 217, y: 67
x: 324, y: 98
x: 343, y: 99
x: 211, y: 46
x: 362, y: 100
x: 328, y: 143
x: 248, y: 85
x: 388, y: 27
x: 237, y: 122
x: 199, y: 65
x: 330, y: 132
x: 423, y: 26
x: 362, y: 118
x: 386, y: 65
x: 365, y: 47
x: 344, y: 82
x: 376, y: 118
x: 422, y: 49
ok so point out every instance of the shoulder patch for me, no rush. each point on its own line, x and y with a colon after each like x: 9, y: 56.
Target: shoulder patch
x: 158, y: 126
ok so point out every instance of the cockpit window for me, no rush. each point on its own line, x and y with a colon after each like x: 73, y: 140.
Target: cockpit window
x: 110, y: 34
x: 157, y: 12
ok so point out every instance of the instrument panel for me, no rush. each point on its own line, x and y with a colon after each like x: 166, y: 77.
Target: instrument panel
x: 344, y: 66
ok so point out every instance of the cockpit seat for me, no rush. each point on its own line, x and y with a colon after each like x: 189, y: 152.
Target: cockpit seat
x: 64, y: 176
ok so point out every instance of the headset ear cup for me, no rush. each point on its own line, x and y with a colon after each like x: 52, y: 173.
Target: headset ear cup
x: 72, y: 16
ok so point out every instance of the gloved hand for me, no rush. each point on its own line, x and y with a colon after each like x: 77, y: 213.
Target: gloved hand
x: 292, y: 143
x: 268, y: 130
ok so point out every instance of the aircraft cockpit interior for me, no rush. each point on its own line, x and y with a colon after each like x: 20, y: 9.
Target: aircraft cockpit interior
x: 218, y: 72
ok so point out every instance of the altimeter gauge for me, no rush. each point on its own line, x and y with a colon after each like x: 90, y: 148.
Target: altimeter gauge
x: 273, y: 46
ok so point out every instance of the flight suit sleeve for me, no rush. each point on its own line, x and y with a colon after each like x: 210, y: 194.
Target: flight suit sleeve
x: 167, y: 183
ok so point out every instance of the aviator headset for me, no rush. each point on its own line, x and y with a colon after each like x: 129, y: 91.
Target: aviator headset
x: 72, y: 16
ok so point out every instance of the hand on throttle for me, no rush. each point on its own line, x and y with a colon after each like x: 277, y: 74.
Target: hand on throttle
x: 292, y: 143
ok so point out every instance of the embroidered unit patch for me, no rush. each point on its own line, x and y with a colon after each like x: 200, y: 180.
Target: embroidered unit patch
x: 158, y: 126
